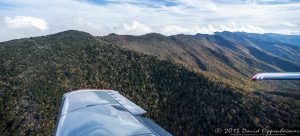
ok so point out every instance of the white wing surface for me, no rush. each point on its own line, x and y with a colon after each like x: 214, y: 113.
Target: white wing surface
x: 102, y: 112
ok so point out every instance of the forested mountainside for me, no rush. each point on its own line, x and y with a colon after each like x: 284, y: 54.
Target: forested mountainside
x: 224, y: 57
x: 36, y: 72
x: 289, y: 39
x: 282, y: 46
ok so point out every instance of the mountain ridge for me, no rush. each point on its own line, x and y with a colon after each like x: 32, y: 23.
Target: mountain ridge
x: 208, y: 54
x: 36, y: 72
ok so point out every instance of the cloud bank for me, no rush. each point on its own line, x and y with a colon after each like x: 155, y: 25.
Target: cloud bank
x: 26, y: 22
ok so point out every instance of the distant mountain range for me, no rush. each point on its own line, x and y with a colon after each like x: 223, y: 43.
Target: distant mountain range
x: 189, y: 84
x: 228, y: 57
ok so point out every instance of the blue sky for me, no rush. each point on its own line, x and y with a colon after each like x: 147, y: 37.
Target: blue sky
x: 28, y: 18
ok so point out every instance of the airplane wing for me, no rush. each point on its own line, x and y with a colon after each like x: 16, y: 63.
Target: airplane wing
x: 277, y: 76
x: 103, y: 112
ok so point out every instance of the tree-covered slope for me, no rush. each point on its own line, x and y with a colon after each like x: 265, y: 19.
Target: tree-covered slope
x: 280, y: 48
x: 221, y: 59
x: 36, y: 72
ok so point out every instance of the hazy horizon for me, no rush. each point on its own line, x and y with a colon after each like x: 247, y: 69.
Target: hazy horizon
x: 145, y: 34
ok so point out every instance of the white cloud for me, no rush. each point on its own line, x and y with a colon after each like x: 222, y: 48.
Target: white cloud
x: 235, y: 27
x: 210, y: 29
x: 289, y: 24
x: 173, y: 29
x: 134, y: 28
x: 203, y: 4
x: 26, y: 22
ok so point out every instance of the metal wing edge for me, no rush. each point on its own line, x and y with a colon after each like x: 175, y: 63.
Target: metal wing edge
x: 277, y: 76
